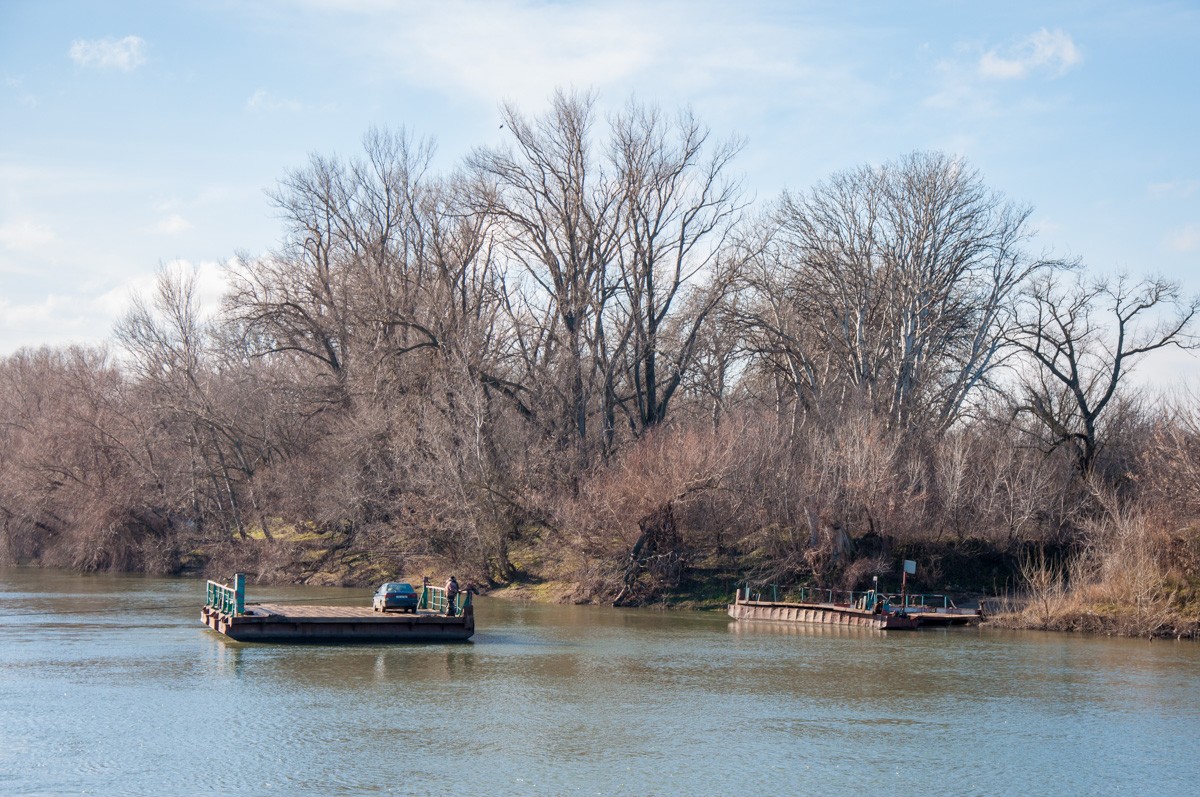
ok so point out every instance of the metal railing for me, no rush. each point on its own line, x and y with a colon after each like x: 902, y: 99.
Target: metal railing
x: 838, y: 597
x: 433, y: 599
x: 928, y: 601
x: 225, y: 599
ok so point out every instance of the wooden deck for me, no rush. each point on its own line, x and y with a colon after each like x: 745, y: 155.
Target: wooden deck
x: 273, y: 622
x: 296, y: 611
x: 944, y: 617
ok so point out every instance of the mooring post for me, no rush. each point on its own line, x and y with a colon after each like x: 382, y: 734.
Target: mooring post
x: 239, y: 593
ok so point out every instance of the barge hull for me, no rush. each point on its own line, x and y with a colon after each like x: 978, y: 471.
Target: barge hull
x: 335, y: 624
x: 822, y: 614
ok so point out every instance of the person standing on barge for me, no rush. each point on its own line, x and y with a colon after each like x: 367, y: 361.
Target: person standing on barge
x: 451, y: 594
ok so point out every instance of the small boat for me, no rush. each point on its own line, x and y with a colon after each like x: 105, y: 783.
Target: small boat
x: 227, y: 612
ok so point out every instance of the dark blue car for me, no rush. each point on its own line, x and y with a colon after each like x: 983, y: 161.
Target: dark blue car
x: 395, y: 595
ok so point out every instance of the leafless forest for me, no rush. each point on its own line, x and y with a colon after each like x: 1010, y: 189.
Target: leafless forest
x: 590, y: 358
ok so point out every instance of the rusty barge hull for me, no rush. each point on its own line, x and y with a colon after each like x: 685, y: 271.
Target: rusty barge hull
x: 819, y: 613
x: 337, y: 624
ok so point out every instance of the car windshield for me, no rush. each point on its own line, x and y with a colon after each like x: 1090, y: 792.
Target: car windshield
x: 390, y: 588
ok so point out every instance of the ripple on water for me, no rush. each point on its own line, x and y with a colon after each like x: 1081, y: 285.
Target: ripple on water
x: 576, y: 700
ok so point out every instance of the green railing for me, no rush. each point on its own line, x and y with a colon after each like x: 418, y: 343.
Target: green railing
x: 226, y: 599
x: 835, y: 597
x: 433, y: 599
x: 839, y: 597
x: 930, y: 601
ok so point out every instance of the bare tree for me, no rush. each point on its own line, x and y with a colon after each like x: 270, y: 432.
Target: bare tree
x: 343, y: 292
x: 1083, y: 338
x: 678, y: 208
x: 558, y: 208
x: 899, y: 281
x: 210, y: 401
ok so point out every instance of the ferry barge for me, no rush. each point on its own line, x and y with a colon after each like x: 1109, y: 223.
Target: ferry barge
x: 872, y: 613
x: 870, y: 609
x: 227, y: 612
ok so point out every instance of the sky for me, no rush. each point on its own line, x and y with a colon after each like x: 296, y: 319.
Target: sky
x: 141, y: 135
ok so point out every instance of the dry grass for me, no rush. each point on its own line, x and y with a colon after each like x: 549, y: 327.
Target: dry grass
x: 1121, y: 583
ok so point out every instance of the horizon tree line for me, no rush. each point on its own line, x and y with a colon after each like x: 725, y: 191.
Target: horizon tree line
x: 589, y: 343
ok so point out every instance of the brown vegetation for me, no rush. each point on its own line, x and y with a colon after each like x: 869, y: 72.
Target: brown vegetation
x: 582, y: 360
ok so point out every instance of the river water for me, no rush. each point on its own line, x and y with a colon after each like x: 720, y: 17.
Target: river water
x: 110, y: 685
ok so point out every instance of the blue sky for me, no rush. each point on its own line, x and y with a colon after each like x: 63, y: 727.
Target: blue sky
x: 137, y: 134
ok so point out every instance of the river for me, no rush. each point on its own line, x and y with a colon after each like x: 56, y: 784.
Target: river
x: 110, y: 685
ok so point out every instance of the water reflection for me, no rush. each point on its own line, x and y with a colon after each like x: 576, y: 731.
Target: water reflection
x: 778, y: 628
x: 565, y: 699
x: 226, y: 657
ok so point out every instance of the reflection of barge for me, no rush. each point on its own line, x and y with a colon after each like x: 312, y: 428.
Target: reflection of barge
x: 226, y: 612
x: 865, y: 610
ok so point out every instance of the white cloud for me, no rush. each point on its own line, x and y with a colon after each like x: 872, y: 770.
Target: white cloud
x: 1050, y: 52
x: 263, y: 100
x: 522, y: 50
x: 1185, y: 239
x: 1181, y: 189
x: 115, y: 302
x: 210, y: 287
x: 125, y: 54
x: 1046, y: 226
x: 89, y: 315
x: 172, y: 225
x: 967, y: 80
x: 1168, y: 371
x: 17, y: 85
x: 25, y: 235
x: 960, y: 92
x: 53, y: 320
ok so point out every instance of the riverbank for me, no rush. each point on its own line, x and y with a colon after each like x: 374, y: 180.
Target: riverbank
x: 1118, y: 622
x: 1017, y: 594
x: 1166, y: 616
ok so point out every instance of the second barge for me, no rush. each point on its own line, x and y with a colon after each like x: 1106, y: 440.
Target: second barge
x: 875, y: 615
x: 869, y: 609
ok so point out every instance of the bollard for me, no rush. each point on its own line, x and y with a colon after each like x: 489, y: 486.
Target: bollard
x: 239, y: 593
